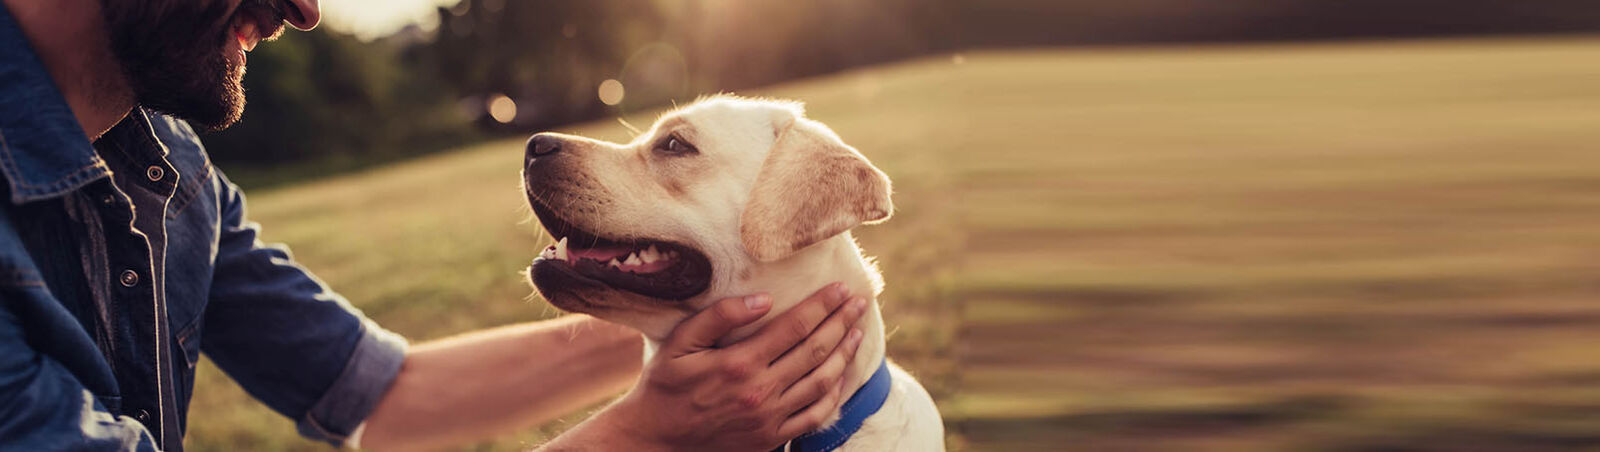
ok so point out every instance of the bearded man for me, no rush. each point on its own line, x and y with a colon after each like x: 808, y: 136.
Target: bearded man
x: 125, y: 255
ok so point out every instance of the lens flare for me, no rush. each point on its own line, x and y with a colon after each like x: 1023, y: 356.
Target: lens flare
x: 611, y: 92
x: 502, y: 108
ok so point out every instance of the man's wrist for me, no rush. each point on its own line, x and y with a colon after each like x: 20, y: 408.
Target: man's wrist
x: 613, y: 428
x: 621, y: 421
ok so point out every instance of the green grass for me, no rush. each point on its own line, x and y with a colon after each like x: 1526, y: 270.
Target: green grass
x: 1270, y: 247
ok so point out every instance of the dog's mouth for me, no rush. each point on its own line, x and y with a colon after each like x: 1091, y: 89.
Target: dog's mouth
x: 654, y: 268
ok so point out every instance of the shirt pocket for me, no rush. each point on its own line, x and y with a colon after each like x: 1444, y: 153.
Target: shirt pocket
x: 192, y: 228
x: 194, y: 180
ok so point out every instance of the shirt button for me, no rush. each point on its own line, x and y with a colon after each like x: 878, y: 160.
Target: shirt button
x: 129, y: 278
x: 154, y: 173
x: 143, y: 416
x: 108, y: 200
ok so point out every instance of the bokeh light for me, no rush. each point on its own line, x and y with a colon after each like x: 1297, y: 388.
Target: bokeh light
x: 654, y: 75
x: 611, y: 92
x: 502, y: 108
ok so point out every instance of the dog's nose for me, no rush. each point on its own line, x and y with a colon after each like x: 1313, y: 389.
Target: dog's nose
x: 543, y: 144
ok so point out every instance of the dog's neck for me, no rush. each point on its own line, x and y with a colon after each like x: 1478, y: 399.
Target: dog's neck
x: 796, y: 277
x: 837, y: 259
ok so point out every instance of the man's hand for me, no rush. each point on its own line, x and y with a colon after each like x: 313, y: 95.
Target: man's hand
x: 753, y: 395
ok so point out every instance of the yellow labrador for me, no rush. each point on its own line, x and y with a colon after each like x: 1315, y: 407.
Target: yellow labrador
x: 725, y: 197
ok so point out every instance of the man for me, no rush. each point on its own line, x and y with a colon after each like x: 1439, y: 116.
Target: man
x: 124, y: 255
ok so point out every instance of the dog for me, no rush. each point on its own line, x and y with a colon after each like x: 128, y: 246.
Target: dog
x: 724, y: 197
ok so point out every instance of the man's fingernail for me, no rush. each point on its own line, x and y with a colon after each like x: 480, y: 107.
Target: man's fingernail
x: 840, y: 291
x: 855, y: 335
x: 858, y: 304
x: 757, y: 302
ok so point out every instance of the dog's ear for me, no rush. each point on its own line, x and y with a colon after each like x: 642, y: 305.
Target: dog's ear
x: 812, y: 186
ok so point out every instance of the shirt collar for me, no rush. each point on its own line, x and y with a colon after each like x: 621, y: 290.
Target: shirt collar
x: 43, y: 150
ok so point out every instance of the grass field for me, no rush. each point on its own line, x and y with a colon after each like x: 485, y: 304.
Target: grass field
x: 1357, y: 246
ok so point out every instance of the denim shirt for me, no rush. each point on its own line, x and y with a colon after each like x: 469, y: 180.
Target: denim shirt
x: 122, y: 260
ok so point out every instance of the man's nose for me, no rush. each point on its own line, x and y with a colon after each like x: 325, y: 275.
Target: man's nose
x: 541, y: 145
x: 303, y: 14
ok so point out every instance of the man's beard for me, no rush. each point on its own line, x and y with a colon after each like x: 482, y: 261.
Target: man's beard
x: 172, y: 54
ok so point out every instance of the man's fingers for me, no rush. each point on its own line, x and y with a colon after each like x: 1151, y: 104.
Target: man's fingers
x: 811, y: 418
x: 822, y: 343
x: 783, y: 332
x: 824, y: 378
x: 702, y: 331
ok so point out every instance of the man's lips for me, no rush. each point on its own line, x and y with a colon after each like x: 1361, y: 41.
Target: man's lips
x: 247, y: 33
x: 254, y: 23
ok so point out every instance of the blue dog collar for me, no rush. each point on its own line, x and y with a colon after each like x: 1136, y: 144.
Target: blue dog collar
x: 855, y: 412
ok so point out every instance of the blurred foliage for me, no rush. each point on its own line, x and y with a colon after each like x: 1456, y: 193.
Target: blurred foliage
x: 329, y: 99
x: 322, y: 68
x: 323, y: 102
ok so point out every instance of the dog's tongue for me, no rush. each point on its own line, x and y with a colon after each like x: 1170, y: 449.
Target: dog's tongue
x: 602, y: 254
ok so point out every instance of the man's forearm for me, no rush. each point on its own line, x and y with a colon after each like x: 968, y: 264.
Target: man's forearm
x: 603, y: 432
x: 498, y: 381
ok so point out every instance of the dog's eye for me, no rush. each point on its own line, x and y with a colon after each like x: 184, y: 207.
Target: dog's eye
x: 675, y: 146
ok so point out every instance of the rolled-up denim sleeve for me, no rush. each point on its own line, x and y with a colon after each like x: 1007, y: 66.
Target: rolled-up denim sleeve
x: 291, y: 342
x: 43, y: 407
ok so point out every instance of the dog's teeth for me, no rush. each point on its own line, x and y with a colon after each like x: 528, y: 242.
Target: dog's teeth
x: 548, y: 253
x: 633, y: 259
x: 561, y: 249
x: 614, y: 263
x: 650, y: 255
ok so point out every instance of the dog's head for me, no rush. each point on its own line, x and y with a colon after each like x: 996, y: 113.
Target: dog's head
x: 648, y: 231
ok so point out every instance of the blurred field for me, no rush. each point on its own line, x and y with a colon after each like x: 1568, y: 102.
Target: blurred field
x: 1361, y: 246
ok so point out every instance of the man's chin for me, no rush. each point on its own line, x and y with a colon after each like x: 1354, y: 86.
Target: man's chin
x: 220, y: 110
x: 210, y: 98
x: 227, y: 116
x: 209, y: 118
